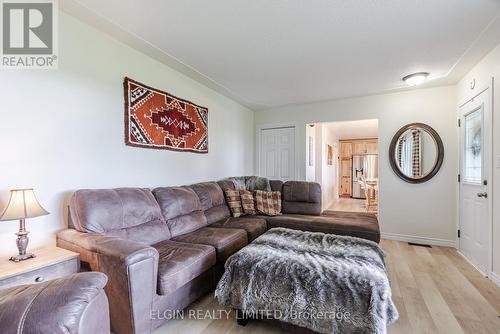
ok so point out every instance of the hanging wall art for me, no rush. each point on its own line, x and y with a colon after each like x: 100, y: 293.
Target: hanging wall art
x: 156, y: 119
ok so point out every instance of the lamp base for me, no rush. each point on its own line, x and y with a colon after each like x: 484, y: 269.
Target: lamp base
x: 22, y: 244
x: 19, y: 258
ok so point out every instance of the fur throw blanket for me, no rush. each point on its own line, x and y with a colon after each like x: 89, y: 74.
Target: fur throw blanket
x: 251, y: 183
x: 324, y: 282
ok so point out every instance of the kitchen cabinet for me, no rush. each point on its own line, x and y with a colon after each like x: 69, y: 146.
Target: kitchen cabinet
x: 345, y: 187
x: 358, y: 147
x: 345, y: 150
x: 372, y: 147
x: 345, y: 167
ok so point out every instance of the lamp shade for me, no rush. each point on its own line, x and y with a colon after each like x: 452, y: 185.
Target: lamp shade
x: 22, y: 204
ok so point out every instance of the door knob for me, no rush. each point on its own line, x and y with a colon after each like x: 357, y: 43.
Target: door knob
x: 485, y: 195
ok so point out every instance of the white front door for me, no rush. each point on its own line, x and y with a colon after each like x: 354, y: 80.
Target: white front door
x: 277, y: 153
x: 475, y: 185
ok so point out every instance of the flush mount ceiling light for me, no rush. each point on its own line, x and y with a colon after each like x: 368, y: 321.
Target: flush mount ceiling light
x: 416, y: 79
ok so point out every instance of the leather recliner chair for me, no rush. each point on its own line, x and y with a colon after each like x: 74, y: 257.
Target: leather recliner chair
x: 75, y: 304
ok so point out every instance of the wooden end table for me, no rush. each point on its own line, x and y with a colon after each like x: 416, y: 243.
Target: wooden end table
x: 49, y: 263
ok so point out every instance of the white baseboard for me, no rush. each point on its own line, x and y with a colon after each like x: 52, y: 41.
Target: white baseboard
x: 470, y: 262
x: 419, y: 240
x: 491, y: 276
x: 495, y: 278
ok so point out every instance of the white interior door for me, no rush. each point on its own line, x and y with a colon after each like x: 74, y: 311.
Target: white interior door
x: 277, y: 153
x: 475, y: 185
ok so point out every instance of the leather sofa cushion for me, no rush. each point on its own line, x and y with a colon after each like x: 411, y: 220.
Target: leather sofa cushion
x: 180, y: 262
x: 301, y: 191
x: 355, y: 224
x: 253, y: 226
x: 130, y: 213
x: 217, y: 213
x: 226, y: 184
x: 212, y: 201
x: 301, y: 197
x: 181, y: 208
x: 276, y: 185
x: 225, y: 240
x: 147, y: 233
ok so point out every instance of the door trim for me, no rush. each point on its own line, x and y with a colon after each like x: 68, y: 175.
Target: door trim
x: 258, y: 146
x: 489, y: 176
x: 472, y: 97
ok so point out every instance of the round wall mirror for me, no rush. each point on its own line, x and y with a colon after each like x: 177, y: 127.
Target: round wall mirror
x: 416, y: 153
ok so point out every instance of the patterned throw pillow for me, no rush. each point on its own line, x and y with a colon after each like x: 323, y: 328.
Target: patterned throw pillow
x: 247, y: 202
x: 268, y: 202
x: 234, y: 201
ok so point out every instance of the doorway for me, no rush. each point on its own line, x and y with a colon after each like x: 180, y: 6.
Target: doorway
x: 475, y: 223
x: 343, y: 158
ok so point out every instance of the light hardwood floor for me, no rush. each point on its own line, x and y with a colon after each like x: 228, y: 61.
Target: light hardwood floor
x: 348, y: 204
x: 434, y: 289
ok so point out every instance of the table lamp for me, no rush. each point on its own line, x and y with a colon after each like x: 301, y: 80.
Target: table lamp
x: 22, y: 204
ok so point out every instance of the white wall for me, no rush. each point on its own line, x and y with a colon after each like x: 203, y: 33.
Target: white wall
x: 483, y: 73
x: 61, y: 130
x: 326, y: 174
x: 310, y: 170
x: 426, y: 210
x: 318, y: 139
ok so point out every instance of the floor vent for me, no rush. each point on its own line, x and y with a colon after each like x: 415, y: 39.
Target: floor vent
x: 419, y: 245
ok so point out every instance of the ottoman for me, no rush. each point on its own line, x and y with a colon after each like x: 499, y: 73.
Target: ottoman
x: 320, y: 282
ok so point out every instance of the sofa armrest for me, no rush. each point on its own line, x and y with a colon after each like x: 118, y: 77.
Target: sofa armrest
x: 301, y: 197
x: 64, y: 305
x: 131, y: 268
x: 125, y: 251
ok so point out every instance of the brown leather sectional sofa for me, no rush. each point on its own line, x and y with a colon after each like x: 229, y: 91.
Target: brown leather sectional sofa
x: 163, y: 249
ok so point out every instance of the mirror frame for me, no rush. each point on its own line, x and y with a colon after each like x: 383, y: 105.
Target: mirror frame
x: 440, y: 153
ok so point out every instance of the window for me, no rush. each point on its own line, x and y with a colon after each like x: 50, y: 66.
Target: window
x: 473, y: 147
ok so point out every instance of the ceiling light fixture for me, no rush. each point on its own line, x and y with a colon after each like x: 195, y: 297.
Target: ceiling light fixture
x: 416, y: 79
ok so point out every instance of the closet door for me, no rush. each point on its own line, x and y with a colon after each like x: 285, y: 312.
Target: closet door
x: 277, y: 153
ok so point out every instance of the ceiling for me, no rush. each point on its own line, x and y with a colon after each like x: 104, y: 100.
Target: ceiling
x: 354, y: 129
x: 272, y: 53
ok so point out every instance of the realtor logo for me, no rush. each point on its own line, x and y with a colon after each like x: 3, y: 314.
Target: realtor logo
x: 29, y: 34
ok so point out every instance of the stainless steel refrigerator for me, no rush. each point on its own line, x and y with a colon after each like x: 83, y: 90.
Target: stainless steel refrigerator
x: 363, y: 166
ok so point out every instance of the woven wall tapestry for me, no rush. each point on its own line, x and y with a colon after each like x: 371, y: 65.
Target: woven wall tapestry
x: 156, y: 119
